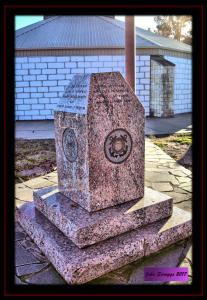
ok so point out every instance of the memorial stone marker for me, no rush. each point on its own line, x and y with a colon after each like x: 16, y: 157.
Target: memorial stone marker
x: 100, y: 217
x: 99, y: 126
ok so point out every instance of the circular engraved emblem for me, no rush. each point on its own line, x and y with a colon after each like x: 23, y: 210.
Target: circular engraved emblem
x: 70, y: 145
x: 118, y: 145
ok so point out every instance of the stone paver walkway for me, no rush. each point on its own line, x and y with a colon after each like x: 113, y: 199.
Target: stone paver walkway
x: 162, y: 173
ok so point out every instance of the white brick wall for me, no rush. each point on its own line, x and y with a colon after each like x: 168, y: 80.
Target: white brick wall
x: 40, y: 81
x: 143, y: 80
x: 182, y: 84
x: 45, y: 78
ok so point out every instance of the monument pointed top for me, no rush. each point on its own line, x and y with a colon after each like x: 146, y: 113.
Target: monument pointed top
x: 76, y: 94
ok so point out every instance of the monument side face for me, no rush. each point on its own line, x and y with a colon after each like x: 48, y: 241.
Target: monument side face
x: 70, y: 121
x: 116, y: 148
x: 99, y: 127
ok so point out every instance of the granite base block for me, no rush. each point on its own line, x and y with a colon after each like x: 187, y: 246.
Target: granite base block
x: 79, y: 266
x: 85, y: 228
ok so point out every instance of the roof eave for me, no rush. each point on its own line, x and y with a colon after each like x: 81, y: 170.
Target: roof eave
x: 98, y: 48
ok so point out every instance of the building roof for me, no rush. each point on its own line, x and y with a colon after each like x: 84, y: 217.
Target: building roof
x: 84, y: 32
x: 162, y: 61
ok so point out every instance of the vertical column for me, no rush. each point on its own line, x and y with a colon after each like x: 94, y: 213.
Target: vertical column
x: 130, y: 51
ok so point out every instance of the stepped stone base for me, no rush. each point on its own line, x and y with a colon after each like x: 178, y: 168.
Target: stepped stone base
x: 82, y: 265
x: 85, y: 228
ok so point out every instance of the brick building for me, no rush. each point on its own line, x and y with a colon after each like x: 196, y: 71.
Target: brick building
x: 50, y: 52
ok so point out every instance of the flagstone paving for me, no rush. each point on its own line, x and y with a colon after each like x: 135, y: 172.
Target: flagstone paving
x: 162, y: 173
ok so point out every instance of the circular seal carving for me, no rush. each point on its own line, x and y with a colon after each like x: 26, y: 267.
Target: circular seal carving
x: 70, y: 145
x: 118, y: 145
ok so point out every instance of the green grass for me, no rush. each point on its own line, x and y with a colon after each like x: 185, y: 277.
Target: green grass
x: 174, y: 145
x: 174, y: 138
x: 184, y: 140
x: 160, y: 144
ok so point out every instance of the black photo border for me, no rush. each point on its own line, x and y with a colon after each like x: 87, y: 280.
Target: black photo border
x: 8, y: 12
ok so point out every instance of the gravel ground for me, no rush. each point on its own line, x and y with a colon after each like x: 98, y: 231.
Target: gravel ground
x: 34, y: 158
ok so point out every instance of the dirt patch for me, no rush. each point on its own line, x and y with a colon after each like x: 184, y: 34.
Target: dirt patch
x: 178, y: 146
x: 34, y: 158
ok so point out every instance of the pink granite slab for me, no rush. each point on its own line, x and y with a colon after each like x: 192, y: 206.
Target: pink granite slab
x: 99, y: 133
x: 82, y: 265
x: 85, y: 228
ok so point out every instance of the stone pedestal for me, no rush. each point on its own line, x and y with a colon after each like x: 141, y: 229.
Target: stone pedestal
x: 100, y: 217
x: 85, y: 228
x: 82, y: 265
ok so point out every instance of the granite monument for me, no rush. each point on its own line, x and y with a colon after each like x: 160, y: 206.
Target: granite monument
x: 100, y: 216
x: 99, y: 127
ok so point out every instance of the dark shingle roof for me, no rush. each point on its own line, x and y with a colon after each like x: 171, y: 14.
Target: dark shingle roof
x: 61, y: 32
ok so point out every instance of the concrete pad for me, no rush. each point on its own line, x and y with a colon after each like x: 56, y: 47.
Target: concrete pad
x: 32, y: 125
x: 35, y: 135
x: 85, y: 228
x: 82, y: 265
x: 181, y: 123
x: 34, y: 130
